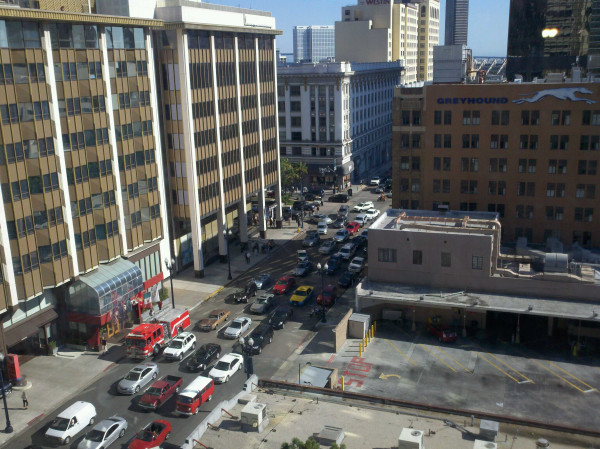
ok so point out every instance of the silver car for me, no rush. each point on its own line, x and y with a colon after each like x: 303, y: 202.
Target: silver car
x: 237, y: 327
x: 103, y: 434
x: 139, y: 376
x: 327, y: 247
x: 263, y: 303
x: 262, y: 280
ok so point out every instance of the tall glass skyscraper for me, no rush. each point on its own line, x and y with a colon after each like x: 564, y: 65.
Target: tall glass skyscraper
x: 549, y: 36
x: 457, y: 22
x: 314, y: 43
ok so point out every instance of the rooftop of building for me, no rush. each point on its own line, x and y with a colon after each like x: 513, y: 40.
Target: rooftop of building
x: 210, y: 6
x: 367, y: 425
x: 336, y: 68
x: 577, y: 77
x: 325, y: 27
x: 398, y: 218
x: 551, y: 263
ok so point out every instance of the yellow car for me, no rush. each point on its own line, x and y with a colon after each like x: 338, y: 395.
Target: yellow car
x: 301, y: 295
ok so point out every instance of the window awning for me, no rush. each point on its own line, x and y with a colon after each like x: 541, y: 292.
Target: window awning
x: 106, y: 290
x: 110, y: 277
x: 29, y: 326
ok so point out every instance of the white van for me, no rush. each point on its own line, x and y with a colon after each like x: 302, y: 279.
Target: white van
x: 71, y: 421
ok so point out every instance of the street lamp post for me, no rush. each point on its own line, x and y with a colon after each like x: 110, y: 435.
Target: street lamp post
x: 228, y: 234
x: 323, y: 270
x: 8, y: 428
x: 170, y: 264
x: 301, y: 203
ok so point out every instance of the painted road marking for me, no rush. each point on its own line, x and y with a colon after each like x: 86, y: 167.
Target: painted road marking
x: 497, y: 367
x: 561, y: 377
x: 387, y: 376
x: 430, y: 352
x: 455, y: 361
x: 407, y: 357
x: 527, y: 379
x: 574, y: 377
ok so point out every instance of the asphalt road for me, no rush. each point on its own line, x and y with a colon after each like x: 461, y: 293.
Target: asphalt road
x: 103, y: 392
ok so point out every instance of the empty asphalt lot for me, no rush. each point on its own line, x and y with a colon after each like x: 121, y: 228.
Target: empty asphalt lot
x: 505, y: 379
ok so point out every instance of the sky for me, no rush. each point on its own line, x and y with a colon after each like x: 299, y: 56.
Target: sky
x: 488, y: 20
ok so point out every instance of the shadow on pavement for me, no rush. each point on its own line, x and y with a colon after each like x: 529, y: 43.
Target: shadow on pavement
x: 322, y: 342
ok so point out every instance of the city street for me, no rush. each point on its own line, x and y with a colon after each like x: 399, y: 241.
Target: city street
x: 298, y: 330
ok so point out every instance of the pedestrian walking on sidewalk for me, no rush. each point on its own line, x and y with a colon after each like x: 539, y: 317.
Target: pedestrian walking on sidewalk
x: 25, y: 400
x: 103, y: 345
x: 248, y: 257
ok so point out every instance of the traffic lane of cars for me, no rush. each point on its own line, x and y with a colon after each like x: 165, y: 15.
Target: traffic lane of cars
x: 127, y: 405
x: 166, y: 409
x: 103, y: 394
x: 123, y: 404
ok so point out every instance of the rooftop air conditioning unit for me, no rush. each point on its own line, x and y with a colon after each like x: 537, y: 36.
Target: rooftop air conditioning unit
x: 410, y: 439
x: 480, y: 444
x: 254, y: 416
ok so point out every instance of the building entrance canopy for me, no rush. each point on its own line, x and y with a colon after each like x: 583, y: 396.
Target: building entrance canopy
x: 421, y: 296
x: 105, y: 289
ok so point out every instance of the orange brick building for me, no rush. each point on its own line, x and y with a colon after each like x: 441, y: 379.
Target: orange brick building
x: 527, y: 151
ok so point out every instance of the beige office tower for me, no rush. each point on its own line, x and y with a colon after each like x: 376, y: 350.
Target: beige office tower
x: 384, y: 31
x: 217, y: 75
x: 88, y: 119
x: 83, y: 225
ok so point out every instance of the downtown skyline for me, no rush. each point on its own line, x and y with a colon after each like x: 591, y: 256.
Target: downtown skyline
x: 483, y: 17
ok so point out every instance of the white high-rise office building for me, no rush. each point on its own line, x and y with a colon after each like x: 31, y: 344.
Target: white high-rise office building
x: 314, y: 43
x: 389, y: 32
x: 337, y: 118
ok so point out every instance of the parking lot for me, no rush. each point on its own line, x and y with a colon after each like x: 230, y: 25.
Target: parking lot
x: 505, y: 379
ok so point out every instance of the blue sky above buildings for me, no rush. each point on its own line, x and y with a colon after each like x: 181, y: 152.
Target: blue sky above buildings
x: 488, y: 20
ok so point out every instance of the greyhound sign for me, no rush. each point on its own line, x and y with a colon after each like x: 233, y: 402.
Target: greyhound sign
x: 562, y: 93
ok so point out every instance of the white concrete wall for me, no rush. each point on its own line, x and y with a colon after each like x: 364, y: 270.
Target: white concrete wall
x: 143, y: 9
x: 360, y: 42
x: 208, y: 16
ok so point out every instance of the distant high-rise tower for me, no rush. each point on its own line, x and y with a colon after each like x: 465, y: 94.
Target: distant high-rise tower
x: 314, y: 43
x: 457, y: 22
x: 384, y: 31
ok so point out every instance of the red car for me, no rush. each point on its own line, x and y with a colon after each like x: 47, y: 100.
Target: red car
x: 153, y: 435
x: 353, y: 227
x: 328, y: 296
x: 284, y: 285
x: 442, y: 332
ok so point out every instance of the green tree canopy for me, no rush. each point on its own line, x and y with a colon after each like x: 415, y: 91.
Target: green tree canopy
x: 297, y: 443
x: 291, y: 172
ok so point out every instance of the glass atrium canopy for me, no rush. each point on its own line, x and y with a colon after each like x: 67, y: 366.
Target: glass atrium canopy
x: 105, y: 289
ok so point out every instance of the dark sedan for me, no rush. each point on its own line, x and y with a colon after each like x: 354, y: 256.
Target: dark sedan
x: 347, y: 279
x: 280, y: 316
x: 203, y: 356
x: 333, y: 264
x: 340, y: 222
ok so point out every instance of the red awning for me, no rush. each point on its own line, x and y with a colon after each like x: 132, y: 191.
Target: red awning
x: 88, y: 319
x: 153, y: 281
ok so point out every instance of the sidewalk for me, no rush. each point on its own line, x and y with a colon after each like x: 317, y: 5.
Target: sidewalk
x: 52, y: 380
x: 191, y: 291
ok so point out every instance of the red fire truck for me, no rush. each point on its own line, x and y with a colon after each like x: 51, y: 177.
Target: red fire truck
x: 148, y: 338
